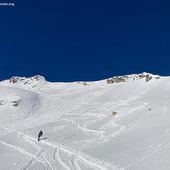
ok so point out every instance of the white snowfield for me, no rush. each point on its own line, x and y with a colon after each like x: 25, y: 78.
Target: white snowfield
x: 122, y: 123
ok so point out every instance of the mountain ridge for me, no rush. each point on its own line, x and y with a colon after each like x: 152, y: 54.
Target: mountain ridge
x: 22, y: 79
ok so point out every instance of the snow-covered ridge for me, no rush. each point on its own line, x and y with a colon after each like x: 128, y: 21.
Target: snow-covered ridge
x: 25, y: 82
x: 123, y: 78
x: 126, y: 78
x: 38, y: 79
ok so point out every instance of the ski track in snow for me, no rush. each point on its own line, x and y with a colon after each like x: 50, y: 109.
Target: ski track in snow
x: 58, y: 158
x: 149, y: 154
x: 40, y: 150
x: 75, y: 164
x: 55, y: 155
x: 165, y: 107
x: 31, y: 162
x: 23, y: 151
x: 90, y: 163
x: 84, y: 129
x: 57, y: 147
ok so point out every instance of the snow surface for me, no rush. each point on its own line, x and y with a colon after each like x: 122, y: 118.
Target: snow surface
x: 88, y: 125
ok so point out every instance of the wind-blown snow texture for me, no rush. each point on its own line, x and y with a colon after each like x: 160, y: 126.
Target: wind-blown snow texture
x: 122, y: 123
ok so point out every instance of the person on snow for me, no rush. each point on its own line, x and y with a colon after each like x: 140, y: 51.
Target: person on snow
x: 40, y: 134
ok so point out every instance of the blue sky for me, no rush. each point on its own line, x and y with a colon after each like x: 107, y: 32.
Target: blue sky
x: 84, y: 40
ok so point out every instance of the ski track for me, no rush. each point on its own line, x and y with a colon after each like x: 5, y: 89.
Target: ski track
x: 54, y: 156
x: 23, y: 151
x: 32, y: 141
x: 30, y: 163
x: 39, y: 149
x: 84, y: 129
x: 75, y: 164
x: 150, y: 153
x: 90, y: 163
x: 57, y: 156
x: 57, y: 147
x: 165, y: 107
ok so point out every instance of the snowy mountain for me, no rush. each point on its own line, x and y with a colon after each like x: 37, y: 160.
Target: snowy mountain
x: 121, y: 123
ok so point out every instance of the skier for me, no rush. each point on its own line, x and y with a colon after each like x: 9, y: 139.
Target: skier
x: 40, y: 134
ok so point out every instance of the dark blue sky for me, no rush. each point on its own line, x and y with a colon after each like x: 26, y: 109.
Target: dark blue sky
x: 84, y: 40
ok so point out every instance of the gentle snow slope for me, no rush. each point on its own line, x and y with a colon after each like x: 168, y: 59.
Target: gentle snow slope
x: 121, y: 123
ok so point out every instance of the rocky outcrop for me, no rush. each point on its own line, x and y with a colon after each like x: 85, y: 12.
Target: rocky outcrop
x: 83, y: 83
x: 25, y: 80
x: 15, y: 103
x: 119, y: 79
x: 29, y: 82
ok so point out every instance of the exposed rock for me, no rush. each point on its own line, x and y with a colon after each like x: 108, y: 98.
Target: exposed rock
x: 148, y: 77
x: 15, y: 103
x: 134, y: 77
x: 25, y: 80
x: 83, y: 83
x: 117, y: 79
x: 114, y: 113
x: 16, y: 79
x: 157, y: 78
x: 30, y: 82
x: 1, y: 102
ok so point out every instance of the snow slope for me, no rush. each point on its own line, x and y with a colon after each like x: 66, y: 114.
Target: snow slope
x: 122, y: 123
